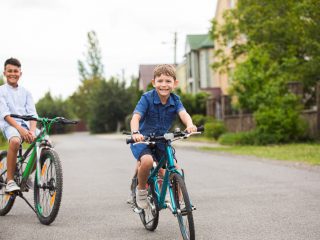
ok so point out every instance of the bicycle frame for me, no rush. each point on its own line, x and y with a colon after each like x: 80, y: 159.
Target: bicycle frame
x: 36, y: 148
x: 34, y: 158
x: 166, y: 181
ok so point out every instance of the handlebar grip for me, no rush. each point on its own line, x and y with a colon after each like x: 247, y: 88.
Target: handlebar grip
x: 200, y: 129
x: 15, y: 115
x: 129, y: 140
x: 70, y: 122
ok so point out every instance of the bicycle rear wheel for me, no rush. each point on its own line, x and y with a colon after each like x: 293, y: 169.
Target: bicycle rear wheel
x: 6, y: 200
x: 47, y: 196
x: 184, y: 207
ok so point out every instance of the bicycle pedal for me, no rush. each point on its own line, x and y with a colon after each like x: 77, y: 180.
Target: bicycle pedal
x: 137, y: 210
x: 193, y: 208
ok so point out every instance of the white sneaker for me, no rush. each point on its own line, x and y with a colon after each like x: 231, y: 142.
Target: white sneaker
x: 141, y: 198
x: 11, y: 186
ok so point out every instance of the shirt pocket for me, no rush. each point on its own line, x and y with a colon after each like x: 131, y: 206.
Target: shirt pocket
x: 170, y: 116
x: 153, y: 120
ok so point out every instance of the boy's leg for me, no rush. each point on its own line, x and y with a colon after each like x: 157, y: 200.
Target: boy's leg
x: 14, y: 139
x: 14, y: 144
x: 146, y: 163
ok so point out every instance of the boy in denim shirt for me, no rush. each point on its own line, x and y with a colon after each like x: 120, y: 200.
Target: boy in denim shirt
x: 15, y: 99
x: 155, y: 113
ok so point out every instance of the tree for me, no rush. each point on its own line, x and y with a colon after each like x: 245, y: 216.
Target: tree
x: 91, y: 76
x: 111, y: 103
x: 280, y: 46
x: 1, y: 80
x: 285, y: 32
x: 55, y: 107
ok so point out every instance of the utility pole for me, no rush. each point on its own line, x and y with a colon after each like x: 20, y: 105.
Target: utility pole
x: 175, y: 48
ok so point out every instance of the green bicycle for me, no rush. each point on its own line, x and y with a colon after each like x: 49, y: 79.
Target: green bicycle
x: 48, y: 184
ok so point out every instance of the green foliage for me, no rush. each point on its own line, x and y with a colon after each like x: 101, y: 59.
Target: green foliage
x: 194, y: 104
x: 280, y: 46
x: 279, y: 125
x: 102, y: 104
x: 110, y: 104
x: 239, y: 138
x: 214, y: 128
x: 1, y: 80
x: 93, y: 67
x: 200, y: 120
x: 55, y: 107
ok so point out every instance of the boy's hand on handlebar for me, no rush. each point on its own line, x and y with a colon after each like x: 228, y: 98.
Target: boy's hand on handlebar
x: 191, y: 128
x: 137, y: 137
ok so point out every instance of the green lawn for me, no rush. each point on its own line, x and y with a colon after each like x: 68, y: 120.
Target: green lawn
x: 307, y: 153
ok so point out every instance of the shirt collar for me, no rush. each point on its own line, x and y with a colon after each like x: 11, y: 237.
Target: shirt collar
x: 13, y: 88
x: 156, y: 99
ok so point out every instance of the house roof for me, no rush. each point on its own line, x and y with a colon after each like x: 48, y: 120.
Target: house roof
x: 199, y: 41
x: 145, y: 75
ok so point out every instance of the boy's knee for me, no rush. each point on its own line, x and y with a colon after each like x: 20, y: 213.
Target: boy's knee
x: 14, y: 143
x: 146, y: 160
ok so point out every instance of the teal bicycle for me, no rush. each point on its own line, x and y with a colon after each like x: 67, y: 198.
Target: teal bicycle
x: 172, y: 181
x: 48, y: 184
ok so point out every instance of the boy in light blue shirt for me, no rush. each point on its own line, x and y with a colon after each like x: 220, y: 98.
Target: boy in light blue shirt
x: 15, y: 99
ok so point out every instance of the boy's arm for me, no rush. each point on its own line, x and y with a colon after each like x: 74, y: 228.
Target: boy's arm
x: 187, y: 121
x: 23, y: 132
x: 134, y: 125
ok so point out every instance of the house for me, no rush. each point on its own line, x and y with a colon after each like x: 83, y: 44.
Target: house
x: 145, y: 75
x: 199, y: 56
x: 223, y: 79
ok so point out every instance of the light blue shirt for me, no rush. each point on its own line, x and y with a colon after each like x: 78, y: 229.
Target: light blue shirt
x: 15, y: 100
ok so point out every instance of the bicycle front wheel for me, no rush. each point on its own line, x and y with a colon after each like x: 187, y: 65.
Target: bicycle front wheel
x: 6, y: 200
x: 150, y: 216
x: 184, y: 207
x: 48, y: 192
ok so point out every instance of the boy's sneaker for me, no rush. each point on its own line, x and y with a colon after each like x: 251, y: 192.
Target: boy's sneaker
x: 141, y: 198
x: 11, y: 186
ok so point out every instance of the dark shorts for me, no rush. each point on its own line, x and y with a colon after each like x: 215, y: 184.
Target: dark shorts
x: 139, y: 150
x: 156, y: 153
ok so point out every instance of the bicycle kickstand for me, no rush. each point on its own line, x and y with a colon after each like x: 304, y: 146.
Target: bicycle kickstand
x: 19, y: 193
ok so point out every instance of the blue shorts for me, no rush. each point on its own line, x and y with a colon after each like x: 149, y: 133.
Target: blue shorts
x: 10, y: 132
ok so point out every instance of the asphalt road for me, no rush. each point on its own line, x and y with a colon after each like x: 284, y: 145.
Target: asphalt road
x: 236, y: 197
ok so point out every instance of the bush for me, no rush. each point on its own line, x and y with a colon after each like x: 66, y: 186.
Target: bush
x: 200, y: 120
x: 239, y: 138
x: 279, y: 125
x: 213, y: 129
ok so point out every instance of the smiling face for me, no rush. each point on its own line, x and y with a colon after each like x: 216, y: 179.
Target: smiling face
x: 164, y: 85
x: 12, y: 74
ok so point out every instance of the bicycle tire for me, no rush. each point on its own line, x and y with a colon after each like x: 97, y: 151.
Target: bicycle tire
x: 149, y: 217
x: 6, y: 200
x: 47, y: 198
x: 184, y: 207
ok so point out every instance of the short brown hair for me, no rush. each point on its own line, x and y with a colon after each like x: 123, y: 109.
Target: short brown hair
x: 165, y: 69
x: 12, y: 61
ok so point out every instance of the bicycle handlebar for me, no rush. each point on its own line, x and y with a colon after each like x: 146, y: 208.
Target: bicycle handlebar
x: 60, y: 120
x: 166, y: 136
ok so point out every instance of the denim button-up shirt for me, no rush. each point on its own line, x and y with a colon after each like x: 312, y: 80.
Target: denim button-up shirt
x: 15, y: 101
x: 156, y: 117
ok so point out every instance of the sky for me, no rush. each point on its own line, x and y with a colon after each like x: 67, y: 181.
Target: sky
x: 49, y: 37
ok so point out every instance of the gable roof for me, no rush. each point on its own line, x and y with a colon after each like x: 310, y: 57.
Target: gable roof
x: 145, y: 75
x: 199, y: 41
